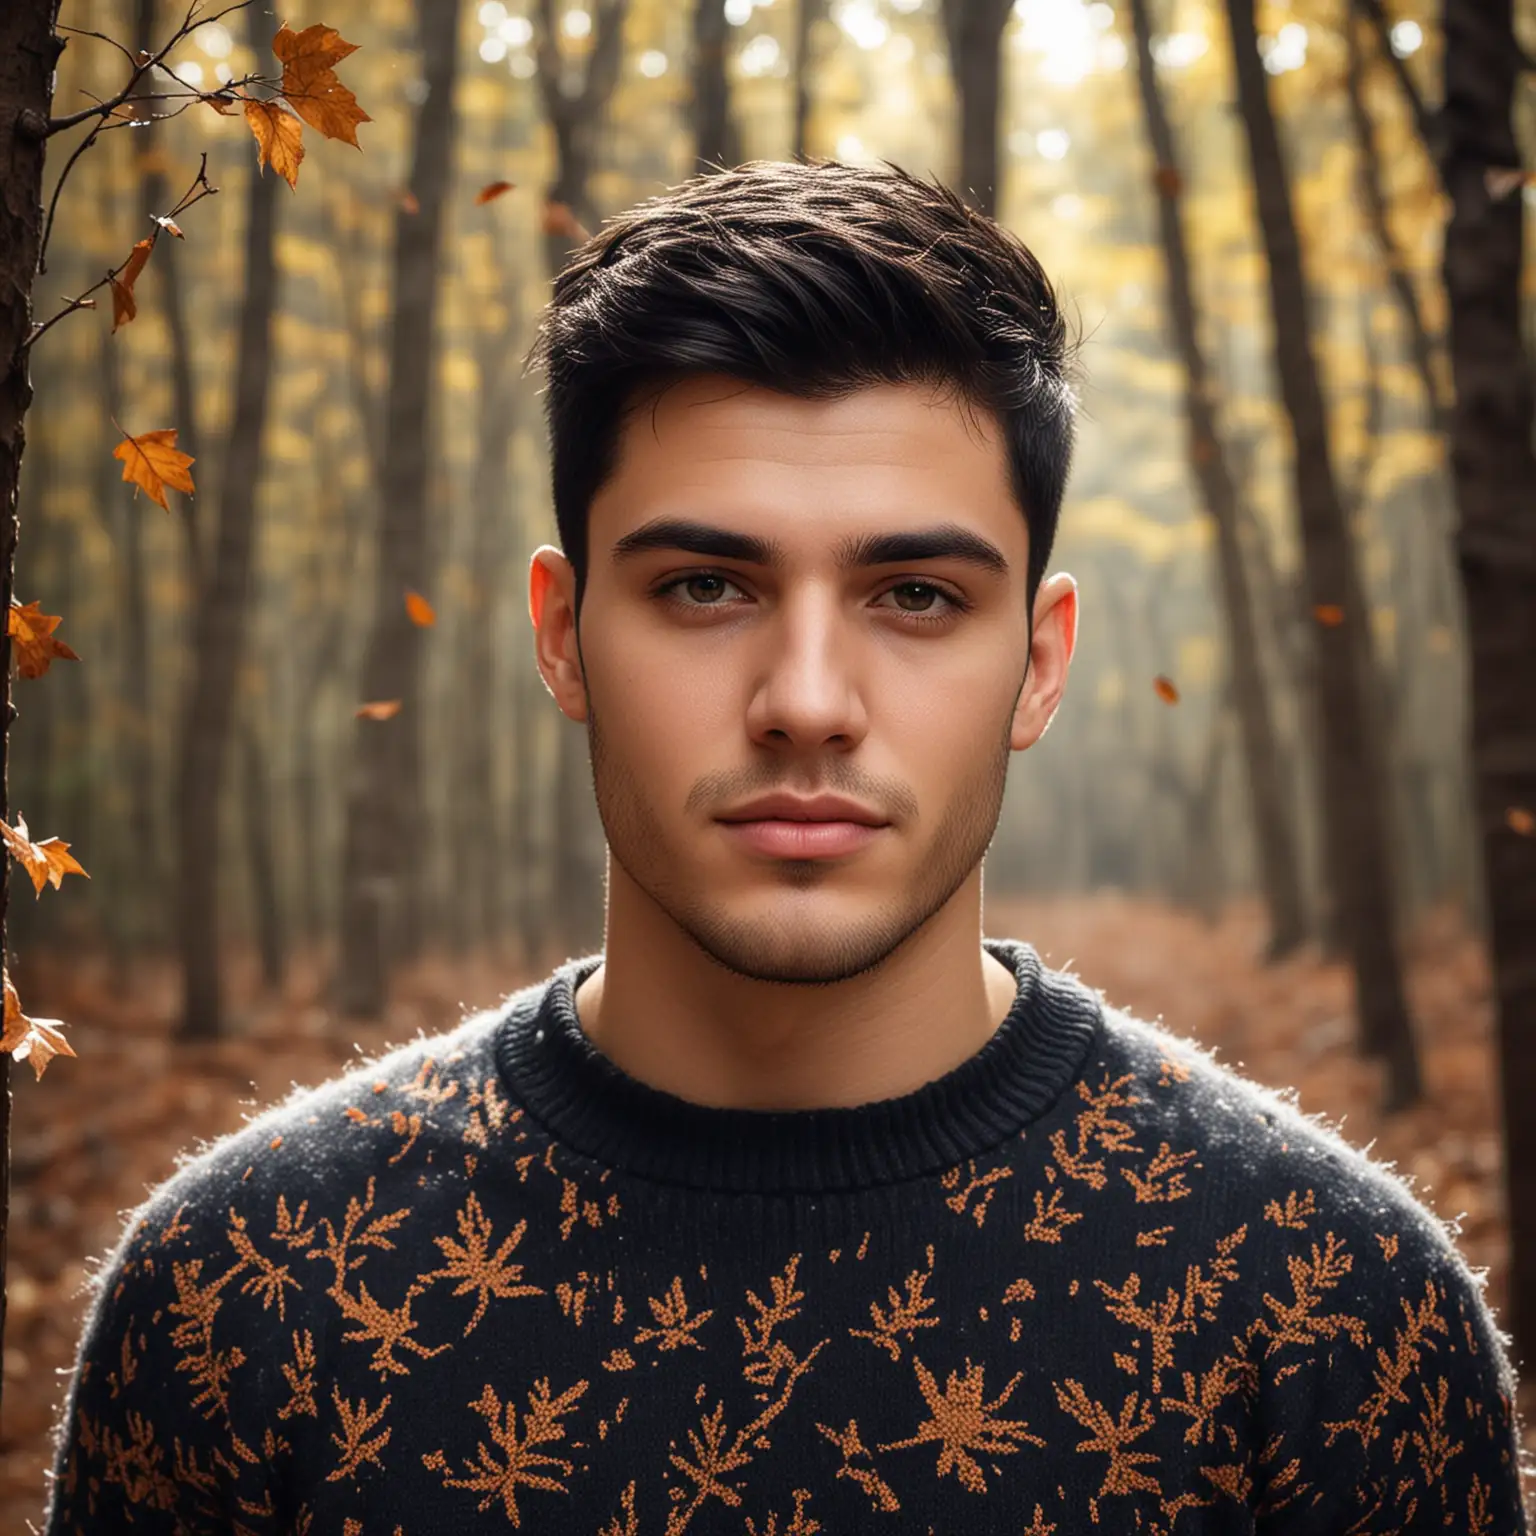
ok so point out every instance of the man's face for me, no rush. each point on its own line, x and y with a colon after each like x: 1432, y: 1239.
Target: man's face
x: 810, y: 598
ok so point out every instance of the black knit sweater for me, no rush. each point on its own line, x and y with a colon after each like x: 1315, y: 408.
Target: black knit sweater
x: 1091, y: 1278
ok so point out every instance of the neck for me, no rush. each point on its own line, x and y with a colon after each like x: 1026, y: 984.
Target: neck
x: 669, y: 1016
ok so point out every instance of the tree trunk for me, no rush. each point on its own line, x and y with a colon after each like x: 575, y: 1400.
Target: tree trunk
x: 260, y: 854
x: 577, y: 896
x: 1274, y: 835
x: 807, y: 14
x: 1353, y: 771
x: 381, y: 867
x: 1421, y: 344
x: 716, y: 141
x: 167, y: 266
x: 1494, y: 470
x: 28, y: 51
x: 974, y: 29
x: 219, y: 624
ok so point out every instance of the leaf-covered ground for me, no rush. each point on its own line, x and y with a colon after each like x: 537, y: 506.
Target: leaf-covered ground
x: 97, y: 1132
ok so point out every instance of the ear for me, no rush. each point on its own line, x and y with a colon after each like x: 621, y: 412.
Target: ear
x: 1050, y: 654
x: 552, y: 608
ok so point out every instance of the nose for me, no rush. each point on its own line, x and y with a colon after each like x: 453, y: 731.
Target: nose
x: 808, y: 695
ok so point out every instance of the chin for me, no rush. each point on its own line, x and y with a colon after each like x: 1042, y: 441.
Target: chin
x: 803, y: 949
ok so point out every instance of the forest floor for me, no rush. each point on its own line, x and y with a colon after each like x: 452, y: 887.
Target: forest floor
x: 96, y: 1133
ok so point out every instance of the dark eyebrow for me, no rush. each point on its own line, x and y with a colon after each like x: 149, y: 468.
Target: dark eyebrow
x: 698, y: 539
x: 946, y: 541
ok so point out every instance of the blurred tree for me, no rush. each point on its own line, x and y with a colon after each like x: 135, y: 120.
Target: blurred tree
x: 1274, y: 835
x: 716, y: 140
x: 219, y: 620
x: 576, y: 115
x: 807, y: 14
x: 1355, y: 786
x: 381, y: 852
x: 974, y: 30
x: 1373, y: 199
x: 1494, y: 469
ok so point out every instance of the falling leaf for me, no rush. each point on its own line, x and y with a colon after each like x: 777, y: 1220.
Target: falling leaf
x: 152, y: 461
x: 1165, y: 689
x: 47, y: 862
x: 1521, y: 820
x: 310, y: 84
x: 34, y: 1041
x: 558, y: 219
x: 1167, y: 180
x: 1501, y: 180
x: 1329, y: 613
x: 170, y: 226
x: 408, y: 201
x: 492, y: 190
x: 124, y: 305
x: 380, y: 709
x: 423, y: 615
x: 279, y: 138
x: 31, y: 631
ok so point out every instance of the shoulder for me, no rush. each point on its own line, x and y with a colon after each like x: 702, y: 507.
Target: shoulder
x: 385, y: 1118
x: 1337, y: 1221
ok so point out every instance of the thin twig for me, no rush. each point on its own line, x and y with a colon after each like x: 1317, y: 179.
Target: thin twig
x: 141, y: 67
x: 200, y: 188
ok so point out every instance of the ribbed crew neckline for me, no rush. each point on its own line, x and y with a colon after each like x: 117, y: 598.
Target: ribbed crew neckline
x: 593, y: 1106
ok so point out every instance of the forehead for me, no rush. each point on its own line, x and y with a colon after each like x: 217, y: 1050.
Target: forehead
x: 713, y: 447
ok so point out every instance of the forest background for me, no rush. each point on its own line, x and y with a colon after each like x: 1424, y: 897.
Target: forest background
x: 304, y: 755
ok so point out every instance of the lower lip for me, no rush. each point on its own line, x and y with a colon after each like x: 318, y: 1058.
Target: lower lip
x: 802, y: 839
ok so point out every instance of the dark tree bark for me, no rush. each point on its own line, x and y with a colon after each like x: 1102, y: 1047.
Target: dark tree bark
x: 380, y: 858
x: 261, y: 853
x: 716, y: 141
x: 1373, y: 197
x: 1274, y: 833
x: 1354, y: 778
x: 1494, y: 471
x: 576, y: 117
x: 219, y: 624
x: 477, y: 828
x: 974, y: 30
x: 807, y: 14
x: 167, y: 271
x: 29, y: 49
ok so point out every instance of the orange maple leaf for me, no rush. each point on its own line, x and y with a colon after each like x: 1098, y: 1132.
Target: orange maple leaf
x: 124, y: 305
x: 31, y: 631
x: 379, y: 709
x: 421, y: 612
x: 279, y: 138
x: 310, y: 84
x: 152, y: 461
x: 47, y: 862
x: 35, y: 1041
x: 492, y: 190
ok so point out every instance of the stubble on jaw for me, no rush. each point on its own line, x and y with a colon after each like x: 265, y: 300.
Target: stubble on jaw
x: 749, y: 948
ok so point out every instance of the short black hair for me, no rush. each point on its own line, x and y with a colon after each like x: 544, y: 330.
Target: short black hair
x: 812, y: 278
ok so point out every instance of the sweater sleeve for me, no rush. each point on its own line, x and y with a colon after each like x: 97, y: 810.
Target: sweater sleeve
x: 152, y: 1437
x: 1407, y: 1405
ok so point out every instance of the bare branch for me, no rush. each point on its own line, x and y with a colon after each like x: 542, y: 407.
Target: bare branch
x: 1424, y: 118
x: 201, y: 187
x: 141, y: 67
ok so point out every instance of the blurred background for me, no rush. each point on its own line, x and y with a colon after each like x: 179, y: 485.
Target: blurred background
x: 1255, y: 816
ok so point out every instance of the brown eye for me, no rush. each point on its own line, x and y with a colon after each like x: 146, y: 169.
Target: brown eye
x: 705, y: 589
x: 921, y: 593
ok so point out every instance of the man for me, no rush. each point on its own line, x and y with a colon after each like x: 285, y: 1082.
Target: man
x: 801, y: 1207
